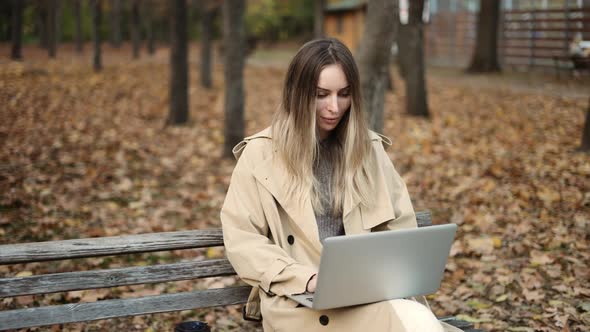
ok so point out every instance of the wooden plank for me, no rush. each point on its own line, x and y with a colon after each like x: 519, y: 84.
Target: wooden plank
x: 103, y: 246
x: 525, y: 38
x: 80, y: 312
x: 537, y: 56
x: 537, y: 47
x: 548, y: 11
x: 69, y: 281
x: 541, y: 29
x: 547, y: 20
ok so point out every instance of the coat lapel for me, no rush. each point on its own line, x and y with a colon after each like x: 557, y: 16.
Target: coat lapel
x: 272, y: 175
x: 379, y: 212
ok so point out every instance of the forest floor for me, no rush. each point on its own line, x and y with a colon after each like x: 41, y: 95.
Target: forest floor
x: 85, y: 154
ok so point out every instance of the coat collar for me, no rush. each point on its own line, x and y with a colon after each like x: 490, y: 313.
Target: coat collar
x: 272, y: 174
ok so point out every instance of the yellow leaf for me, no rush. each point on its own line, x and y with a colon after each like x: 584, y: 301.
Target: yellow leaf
x: 24, y: 274
x: 502, y: 298
x: 214, y: 253
x: 478, y: 305
x: 470, y: 319
x: 497, y: 242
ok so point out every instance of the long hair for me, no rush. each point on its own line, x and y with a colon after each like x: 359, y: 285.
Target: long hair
x: 295, y: 136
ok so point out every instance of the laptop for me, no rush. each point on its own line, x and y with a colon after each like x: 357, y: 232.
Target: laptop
x: 379, y: 266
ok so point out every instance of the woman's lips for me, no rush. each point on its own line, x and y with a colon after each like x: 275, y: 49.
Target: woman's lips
x: 330, y: 120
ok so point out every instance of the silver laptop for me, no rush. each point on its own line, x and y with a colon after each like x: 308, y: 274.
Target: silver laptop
x: 379, y: 266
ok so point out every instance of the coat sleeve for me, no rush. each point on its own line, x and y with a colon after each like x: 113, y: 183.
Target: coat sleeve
x: 255, y: 257
x: 405, y: 217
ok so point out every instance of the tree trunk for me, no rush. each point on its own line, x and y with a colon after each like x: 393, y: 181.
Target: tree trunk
x: 149, y: 28
x: 116, y: 23
x: 485, y: 56
x: 58, y: 21
x: 52, y: 28
x: 179, y: 64
x: 234, y: 40
x: 411, y: 60
x: 17, y: 29
x: 318, y: 18
x: 41, y: 23
x: 78, y: 18
x: 586, y: 134
x: 135, y: 28
x: 96, y: 21
x: 207, y: 17
x: 373, y: 59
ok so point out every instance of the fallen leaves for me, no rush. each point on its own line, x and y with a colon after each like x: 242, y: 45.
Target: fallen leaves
x: 87, y: 154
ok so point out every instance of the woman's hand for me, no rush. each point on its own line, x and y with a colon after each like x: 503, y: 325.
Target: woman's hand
x: 311, y: 284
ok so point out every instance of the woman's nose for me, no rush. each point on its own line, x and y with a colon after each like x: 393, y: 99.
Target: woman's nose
x: 333, y: 104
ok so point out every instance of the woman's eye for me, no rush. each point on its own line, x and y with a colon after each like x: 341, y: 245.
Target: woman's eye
x: 321, y: 95
x: 345, y: 94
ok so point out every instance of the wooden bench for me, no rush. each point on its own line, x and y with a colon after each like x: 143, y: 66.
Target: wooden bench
x: 567, y: 63
x: 122, y: 245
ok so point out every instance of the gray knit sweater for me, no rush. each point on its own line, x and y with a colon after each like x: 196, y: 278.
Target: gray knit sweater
x: 328, y: 225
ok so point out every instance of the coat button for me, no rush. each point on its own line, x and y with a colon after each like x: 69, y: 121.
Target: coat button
x: 324, y: 320
x: 290, y: 239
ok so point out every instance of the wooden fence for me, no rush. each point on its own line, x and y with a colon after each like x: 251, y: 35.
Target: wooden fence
x: 533, y: 37
x: 527, y: 38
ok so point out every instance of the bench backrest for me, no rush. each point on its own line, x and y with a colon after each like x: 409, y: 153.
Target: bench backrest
x: 119, y: 245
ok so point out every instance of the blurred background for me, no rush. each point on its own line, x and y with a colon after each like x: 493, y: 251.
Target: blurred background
x: 118, y: 117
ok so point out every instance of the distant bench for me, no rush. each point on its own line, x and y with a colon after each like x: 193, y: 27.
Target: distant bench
x: 123, y: 245
x: 570, y: 64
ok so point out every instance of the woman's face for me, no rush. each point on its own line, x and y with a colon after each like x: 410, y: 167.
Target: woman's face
x: 332, y: 99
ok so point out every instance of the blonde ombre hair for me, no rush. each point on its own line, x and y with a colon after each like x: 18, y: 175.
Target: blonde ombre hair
x: 296, y: 137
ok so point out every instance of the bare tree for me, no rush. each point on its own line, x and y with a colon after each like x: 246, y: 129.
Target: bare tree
x: 52, y: 6
x: 42, y: 9
x: 78, y: 21
x: 115, y: 21
x: 234, y: 40
x: 17, y: 29
x: 374, y: 56
x: 208, y: 13
x: 149, y: 27
x: 179, y: 64
x: 318, y: 18
x: 585, y: 146
x: 96, y: 7
x: 135, y: 28
x: 410, y: 39
x: 485, y: 57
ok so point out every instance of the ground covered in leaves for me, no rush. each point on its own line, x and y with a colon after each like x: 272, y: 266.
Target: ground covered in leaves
x: 85, y: 155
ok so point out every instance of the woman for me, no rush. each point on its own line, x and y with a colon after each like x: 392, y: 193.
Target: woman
x: 316, y: 172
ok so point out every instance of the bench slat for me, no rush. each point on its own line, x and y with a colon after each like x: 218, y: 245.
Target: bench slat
x: 69, y: 281
x: 115, y: 245
x: 122, y: 245
x: 79, y: 312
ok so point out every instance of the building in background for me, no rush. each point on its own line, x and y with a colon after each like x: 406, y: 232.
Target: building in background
x: 345, y: 20
x: 532, y: 32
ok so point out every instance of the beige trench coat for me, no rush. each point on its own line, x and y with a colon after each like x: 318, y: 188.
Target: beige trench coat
x: 272, y: 241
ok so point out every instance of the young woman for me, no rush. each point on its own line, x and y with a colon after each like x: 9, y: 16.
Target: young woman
x: 316, y: 172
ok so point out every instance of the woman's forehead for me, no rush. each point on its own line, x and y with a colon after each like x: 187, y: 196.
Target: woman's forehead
x: 332, y: 77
